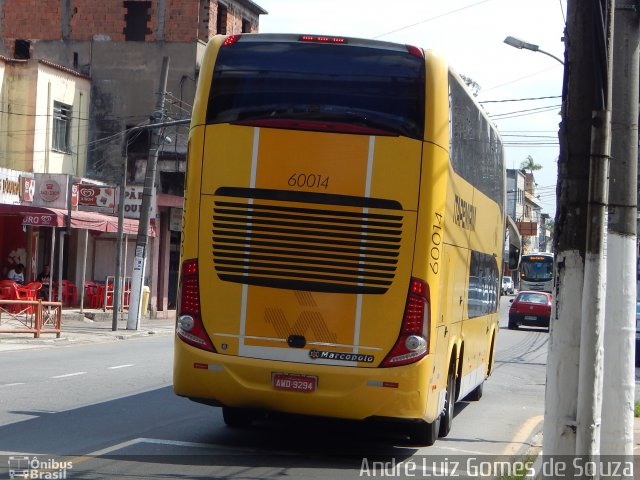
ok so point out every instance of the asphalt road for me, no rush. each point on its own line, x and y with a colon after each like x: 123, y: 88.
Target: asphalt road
x: 108, y: 408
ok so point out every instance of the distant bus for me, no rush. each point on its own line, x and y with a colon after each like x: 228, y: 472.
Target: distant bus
x: 342, y: 237
x: 536, y: 272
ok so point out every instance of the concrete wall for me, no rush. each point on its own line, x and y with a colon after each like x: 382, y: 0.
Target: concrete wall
x: 88, y: 36
x: 27, y: 92
x: 17, y: 124
x: 54, y: 85
x: 125, y: 81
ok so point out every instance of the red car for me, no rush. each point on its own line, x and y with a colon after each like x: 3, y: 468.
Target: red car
x: 530, y: 308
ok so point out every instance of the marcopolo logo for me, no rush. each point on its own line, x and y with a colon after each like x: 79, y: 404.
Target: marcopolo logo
x: 35, y: 468
x: 343, y: 356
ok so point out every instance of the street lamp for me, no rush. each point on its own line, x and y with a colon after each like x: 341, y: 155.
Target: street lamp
x: 521, y: 44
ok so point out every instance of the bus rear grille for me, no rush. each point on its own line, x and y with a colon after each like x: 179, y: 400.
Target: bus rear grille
x: 324, y: 249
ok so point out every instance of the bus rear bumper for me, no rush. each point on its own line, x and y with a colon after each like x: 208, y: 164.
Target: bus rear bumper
x: 341, y: 392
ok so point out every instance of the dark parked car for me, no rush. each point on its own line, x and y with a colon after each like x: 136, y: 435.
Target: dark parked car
x: 531, y: 309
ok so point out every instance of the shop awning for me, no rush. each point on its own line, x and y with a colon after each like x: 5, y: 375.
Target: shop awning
x: 57, y: 217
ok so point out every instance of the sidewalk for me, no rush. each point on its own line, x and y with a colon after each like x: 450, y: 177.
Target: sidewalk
x: 90, y: 326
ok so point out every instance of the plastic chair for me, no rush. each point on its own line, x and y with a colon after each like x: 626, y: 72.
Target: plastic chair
x: 110, y: 290
x: 101, y: 290
x: 69, y: 293
x: 92, y: 294
x: 28, y: 292
x: 8, y: 290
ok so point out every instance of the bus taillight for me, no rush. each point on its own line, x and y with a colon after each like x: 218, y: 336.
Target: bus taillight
x: 415, y: 51
x: 321, y: 39
x: 231, y: 39
x: 413, y: 341
x: 189, y: 325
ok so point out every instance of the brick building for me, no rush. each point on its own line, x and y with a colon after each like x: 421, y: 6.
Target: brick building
x: 120, y: 44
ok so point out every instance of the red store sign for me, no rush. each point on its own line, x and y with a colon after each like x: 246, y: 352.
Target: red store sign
x: 28, y: 188
x: 41, y: 220
x: 96, y: 196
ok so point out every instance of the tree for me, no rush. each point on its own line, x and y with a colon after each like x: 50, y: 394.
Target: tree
x: 530, y: 164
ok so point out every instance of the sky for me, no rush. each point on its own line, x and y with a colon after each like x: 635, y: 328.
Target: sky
x: 470, y: 33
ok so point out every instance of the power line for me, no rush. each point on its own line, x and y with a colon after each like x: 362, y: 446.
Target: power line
x: 522, y: 113
x: 521, y: 99
x: 431, y: 18
x: 40, y: 115
x: 520, y: 78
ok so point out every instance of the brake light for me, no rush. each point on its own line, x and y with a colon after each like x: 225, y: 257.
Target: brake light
x: 231, y: 39
x: 322, y: 39
x: 189, y: 326
x: 413, y: 341
x: 415, y: 51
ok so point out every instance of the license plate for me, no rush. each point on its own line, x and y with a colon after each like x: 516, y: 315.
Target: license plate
x: 530, y: 317
x: 294, y: 383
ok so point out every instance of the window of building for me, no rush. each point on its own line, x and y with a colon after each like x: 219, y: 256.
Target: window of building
x: 22, y: 49
x: 246, y: 26
x: 136, y: 20
x: 221, y: 19
x: 61, y: 127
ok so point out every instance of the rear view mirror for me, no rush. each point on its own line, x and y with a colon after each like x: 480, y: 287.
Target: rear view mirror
x: 515, y: 243
x: 514, y: 257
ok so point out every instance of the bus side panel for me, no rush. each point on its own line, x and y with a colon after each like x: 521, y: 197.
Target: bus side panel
x: 191, y: 214
x: 201, y: 99
x: 433, y: 259
x: 485, y: 236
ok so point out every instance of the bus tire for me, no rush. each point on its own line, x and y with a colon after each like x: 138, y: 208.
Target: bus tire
x: 237, y: 417
x: 446, y: 419
x: 425, y: 433
x: 476, y: 393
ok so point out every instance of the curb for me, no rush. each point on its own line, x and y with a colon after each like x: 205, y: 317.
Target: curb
x: 89, y: 327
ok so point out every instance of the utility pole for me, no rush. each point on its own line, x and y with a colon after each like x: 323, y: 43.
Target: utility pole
x: 117, y: 293
x: 148, y: 198
x: 118, y: 281
x: 619, y: 383
x: 574, y: 369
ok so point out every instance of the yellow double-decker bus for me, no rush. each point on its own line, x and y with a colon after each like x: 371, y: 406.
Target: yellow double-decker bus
x: 343, y: 234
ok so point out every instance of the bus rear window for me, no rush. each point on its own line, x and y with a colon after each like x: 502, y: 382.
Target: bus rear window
x: 319, y: 87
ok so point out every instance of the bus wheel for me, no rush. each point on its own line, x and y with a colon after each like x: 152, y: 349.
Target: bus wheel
x: 446, y: 419
x: 424, y: 433
x: 237, y: 417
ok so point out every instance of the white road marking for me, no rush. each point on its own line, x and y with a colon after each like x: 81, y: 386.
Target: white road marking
x: 121, y: 366
x: 69, y: 375
x: 12, y: 384
x: 176, y: 443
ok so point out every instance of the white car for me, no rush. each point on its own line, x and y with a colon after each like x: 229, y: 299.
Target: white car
x: 507, y: 286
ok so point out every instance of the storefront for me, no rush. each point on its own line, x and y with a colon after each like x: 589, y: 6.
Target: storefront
x: 78, y: 244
